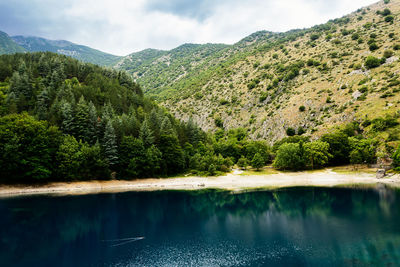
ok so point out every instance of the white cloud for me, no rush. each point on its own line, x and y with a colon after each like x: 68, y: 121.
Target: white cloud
x: 122, y: 26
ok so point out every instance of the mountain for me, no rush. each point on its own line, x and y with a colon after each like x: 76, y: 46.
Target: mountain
x: 80, y: 52
x: 158, y: 71
x: 304, y: 80
x: 8, y: 46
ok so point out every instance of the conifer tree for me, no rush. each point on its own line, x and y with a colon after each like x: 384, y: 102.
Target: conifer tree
x: 193, y: 131
x: 67, y: 116
x: 166, y: 127
x: 154, y: 122
x: 110, y: 146
x: 92, y: 126
x: 43, y: 101
x: 43, y: 66
x: 82, y: 120
x: 146, y: 134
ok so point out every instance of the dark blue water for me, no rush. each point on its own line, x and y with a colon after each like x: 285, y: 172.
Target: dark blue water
x: 293, y: 227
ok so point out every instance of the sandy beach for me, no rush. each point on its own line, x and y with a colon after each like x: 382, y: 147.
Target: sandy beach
x: 236, y: 181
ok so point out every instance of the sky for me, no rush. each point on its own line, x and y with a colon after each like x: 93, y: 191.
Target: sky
x: 121, y: 27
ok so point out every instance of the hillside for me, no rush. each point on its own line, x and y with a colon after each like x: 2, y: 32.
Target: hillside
x: 80, y: 52
x: 309, y: 79
x: 158, y: 71
x: 64, y: 119
x: 8, y: 46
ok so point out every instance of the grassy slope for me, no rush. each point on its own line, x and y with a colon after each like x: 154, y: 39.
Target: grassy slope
x: 217, y: 87
x: 158, y: 71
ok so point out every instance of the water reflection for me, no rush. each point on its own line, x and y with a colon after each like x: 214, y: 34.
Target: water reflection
x: 302, y: 226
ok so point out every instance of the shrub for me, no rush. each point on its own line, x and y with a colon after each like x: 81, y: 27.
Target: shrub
x: 386, y: 12
x: 290, y: 131
x: 300, y: 131
x: 251, y: 85
x: 223, y: 102
x: 328, y: 100
x: 302, y: 108
x: 373, y: 47
x: 388, y: 53
x: 355, y: 36
x: 218, y: 122
x: 314, y: 36
x: 345, y: 32
x: 263, y: 96
x: 381, y: 124
x: 389, y: 18
x: 372, y: 62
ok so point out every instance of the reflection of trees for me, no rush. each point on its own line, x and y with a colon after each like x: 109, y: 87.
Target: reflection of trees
x: 37, y: 227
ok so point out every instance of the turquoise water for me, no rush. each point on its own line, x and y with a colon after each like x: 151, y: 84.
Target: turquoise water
x: 292, y: 227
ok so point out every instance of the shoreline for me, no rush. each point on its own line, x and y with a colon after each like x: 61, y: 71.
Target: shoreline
x: 234, y: 181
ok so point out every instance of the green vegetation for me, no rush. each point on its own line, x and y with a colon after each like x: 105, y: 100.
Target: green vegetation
x: 256, y: 83
x: 66, y: 120
x: 300, y: 84
x: 372, y: 62
x: 342, y: 146
x: 396, y: 159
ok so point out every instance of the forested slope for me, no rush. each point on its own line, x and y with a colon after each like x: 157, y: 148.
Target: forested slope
x: 62, y: 119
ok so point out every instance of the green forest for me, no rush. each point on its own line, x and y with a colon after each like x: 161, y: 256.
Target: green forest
x: 67, y: 120
x: 62, y: 119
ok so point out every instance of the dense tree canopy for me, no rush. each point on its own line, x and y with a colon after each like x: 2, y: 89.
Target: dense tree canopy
x: 63, y: 119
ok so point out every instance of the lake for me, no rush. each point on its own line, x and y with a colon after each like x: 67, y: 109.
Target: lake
x: 288, y: 227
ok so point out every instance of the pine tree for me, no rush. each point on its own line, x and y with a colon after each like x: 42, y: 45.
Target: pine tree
x: 43, y: 101
x: 154, y: 122
x: 82, y: 120
x: 92, y: 127
x: 146, y: 134
x: 110, y: 146
x: 192, y: 131
x: 166, y: 127
x: 67, y: 116
x: 43, y: 66
x: 21, y: 87
x: 153, y: 159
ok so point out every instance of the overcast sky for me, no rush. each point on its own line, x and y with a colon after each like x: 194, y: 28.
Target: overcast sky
x: 125, y: 26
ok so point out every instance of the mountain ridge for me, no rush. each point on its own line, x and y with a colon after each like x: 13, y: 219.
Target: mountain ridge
x: 7, y: 45
x: 80, y: 52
